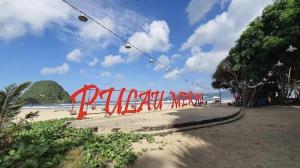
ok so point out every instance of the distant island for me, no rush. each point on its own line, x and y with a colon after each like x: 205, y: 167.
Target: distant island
x: 46, y: 92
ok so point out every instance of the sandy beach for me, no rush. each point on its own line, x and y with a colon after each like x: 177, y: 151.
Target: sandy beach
x: 58, y: 113
x: 265, y: 137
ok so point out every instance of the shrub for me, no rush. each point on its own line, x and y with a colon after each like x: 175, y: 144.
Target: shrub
x: 45, y: 143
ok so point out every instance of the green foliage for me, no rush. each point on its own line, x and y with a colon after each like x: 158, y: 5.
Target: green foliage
x: 105, y: 148
x: 10, y: 101
x: 45, y: 143
x: 10, y: 105
x: 46, y: 92
x: 259, y: 48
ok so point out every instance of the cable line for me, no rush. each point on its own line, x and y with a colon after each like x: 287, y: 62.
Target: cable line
x: 84, y: 18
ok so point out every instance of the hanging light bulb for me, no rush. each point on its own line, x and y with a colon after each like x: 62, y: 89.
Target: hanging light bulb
x: 83, y: 18
x: 270, y: 74
x: 279, y: 64
x: 127, y: 46
x: 291, y: 49
x: 151, y: 60
x: 260, y: 83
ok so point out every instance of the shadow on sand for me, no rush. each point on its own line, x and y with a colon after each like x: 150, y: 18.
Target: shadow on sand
x: 264, y: 137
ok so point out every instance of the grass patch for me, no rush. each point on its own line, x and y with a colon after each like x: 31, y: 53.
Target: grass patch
x: 51, y: 144
x: 73, y: 159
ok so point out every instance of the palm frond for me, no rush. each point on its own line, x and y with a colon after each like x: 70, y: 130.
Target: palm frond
x: 10, y: 101
x: 32, y: 114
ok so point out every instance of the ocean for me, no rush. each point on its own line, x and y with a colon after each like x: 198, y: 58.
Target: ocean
x: 226, y: 98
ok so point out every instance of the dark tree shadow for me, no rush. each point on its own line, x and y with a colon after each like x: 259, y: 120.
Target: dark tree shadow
x: 264, y: 137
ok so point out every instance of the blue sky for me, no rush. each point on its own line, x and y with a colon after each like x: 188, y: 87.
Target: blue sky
x: 43, y: 40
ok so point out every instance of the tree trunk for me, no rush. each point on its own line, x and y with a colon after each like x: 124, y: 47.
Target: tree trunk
x: 250, y: 102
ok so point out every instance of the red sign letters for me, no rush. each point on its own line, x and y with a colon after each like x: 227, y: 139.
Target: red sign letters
x: 178, y: 100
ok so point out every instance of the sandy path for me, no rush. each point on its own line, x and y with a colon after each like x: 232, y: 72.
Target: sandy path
x: 265, y: 137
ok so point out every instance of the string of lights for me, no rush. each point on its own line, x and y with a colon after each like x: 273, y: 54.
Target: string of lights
x: 270, y: 73
x: 84, y: 17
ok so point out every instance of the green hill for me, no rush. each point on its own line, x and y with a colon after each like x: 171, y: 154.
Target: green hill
x: 46, y: 92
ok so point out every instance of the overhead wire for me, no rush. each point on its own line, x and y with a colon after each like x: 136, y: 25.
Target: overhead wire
x: 153, y: 59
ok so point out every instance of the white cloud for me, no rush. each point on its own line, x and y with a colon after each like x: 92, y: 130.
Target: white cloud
x: 119, y: 77
x: 225, y: 28
x: 204, y: 61
x: 172, y: 75
x: 112, y: 14
x: 164, y: 62
x: 93, y: 62
x: 112, y: 60
x: 105, y: 74
x: 75, y: 56
x: 176, y: 57
x: 30, y: 16
x: 154, y: 38
x: 197, y: 9
x: 221, y: 32
x: 92, y: 31
x: 64, y: 68
x: 82, y: 71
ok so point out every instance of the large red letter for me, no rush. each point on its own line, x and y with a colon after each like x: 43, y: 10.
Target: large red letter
x: 134, y: 91
x: 182, y: 95
x: 199, y: 98
x: 107, y: 103
x: 175, y: 99
x: 190, y: 97
x: 83, y: 90
x: 145, y: 100
x: 159, y: 104
x: 118, y: 104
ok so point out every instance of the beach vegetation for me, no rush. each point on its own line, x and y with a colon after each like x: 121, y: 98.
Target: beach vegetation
x: 53, y: 144
x: 10, y: 105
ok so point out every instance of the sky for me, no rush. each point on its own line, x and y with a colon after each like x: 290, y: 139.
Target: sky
x: 44, y: 40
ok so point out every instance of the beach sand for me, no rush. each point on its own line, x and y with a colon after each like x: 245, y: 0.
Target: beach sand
x: 58, y: 113
x: 265, y: 137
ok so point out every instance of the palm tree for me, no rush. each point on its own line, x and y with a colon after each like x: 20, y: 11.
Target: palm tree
x: 11, y: 102
x: 10, y: 105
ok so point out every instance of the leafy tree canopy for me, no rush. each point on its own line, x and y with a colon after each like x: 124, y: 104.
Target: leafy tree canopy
x: 260, y: 47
